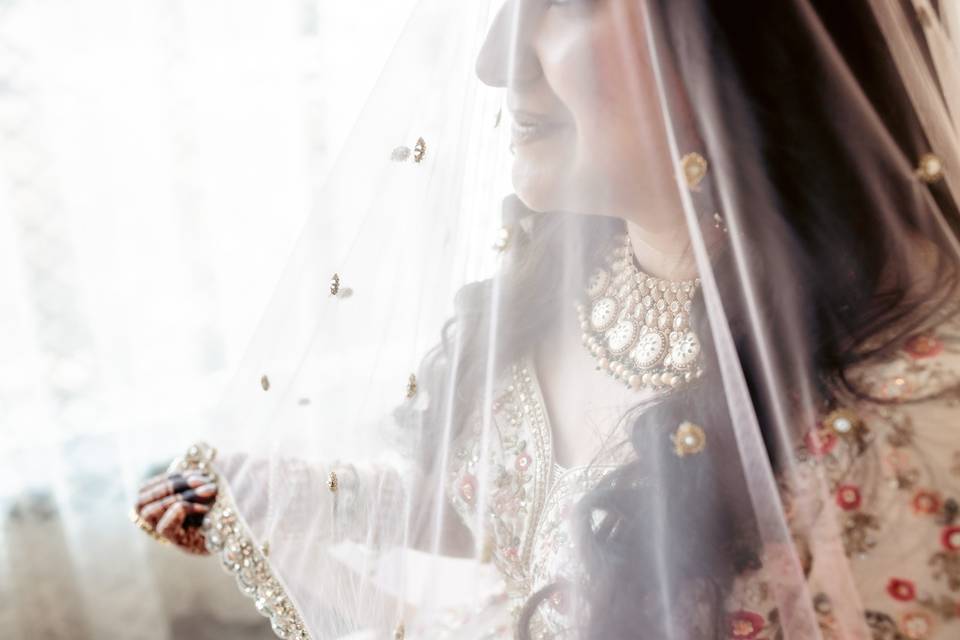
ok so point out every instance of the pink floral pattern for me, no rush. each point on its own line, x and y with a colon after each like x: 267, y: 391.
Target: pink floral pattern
x: 848, y: 497
x: 902, y: 590
x: 926, y: 502
x: 892, y: 470
x: 745, y: 625
x: 518, y: 453
x: 923, y: 346
x: 529, y: 501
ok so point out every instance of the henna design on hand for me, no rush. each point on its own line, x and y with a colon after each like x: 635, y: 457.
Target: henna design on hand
x: 174, y: 505
x: 166, y: 485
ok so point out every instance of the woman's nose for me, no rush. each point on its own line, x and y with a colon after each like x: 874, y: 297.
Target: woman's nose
x: 508, y: 58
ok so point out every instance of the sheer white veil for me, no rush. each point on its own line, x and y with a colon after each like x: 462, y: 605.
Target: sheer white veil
x: 366, y: 451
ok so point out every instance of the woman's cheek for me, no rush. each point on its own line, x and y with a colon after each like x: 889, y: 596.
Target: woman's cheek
x: 591, y: 63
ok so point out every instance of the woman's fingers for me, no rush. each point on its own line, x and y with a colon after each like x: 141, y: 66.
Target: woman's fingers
x: 204, y: 494
x: 152, y: 512
x: 159, y: 488
x: 171, y: 522
x: 174, y: 482
x: 170, y: 525
x: 166, y: 478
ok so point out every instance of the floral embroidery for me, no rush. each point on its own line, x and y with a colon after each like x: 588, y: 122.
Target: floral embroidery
x: 859, y: 527
x: 882, y: 626
x: 916, y: 625
x: 468, y: 488
x: 820, y: 441
x: 926, y: 502
x: 950, y: 538
x: 523, y: 462
x: 946, y: 563
x: 902, y: 590
x: 527, y: 517
x: 923, y: 346
x: 745, y: 625
x: 943, y: 606
x: 514, y: 468
x: 891, y: 469
x: 899, y: 465
x: 848, y: 497
x: 518, y: 443
x: 555, y: 556
x: 919, y: 370
x: 902, y: 431
x: 948, y: 512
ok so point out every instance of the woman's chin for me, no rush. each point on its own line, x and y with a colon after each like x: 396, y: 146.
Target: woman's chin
x: 538, y: 185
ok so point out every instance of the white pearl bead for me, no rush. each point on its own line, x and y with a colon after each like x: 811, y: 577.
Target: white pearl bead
x: 842, y: 425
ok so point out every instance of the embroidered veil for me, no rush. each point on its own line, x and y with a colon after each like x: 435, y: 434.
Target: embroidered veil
x: 570, y: 343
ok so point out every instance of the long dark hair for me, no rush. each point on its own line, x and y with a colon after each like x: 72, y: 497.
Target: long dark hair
x: 767, y: 67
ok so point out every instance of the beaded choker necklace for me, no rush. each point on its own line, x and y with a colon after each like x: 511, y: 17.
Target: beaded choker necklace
x: 637, y: 327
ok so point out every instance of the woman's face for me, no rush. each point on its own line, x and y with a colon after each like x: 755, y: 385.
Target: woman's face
x: 587, y: 132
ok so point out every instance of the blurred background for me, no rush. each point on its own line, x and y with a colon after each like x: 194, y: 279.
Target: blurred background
x: 157, y: 160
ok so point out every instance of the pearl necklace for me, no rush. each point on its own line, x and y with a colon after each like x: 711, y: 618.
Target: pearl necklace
x: 638, y: 326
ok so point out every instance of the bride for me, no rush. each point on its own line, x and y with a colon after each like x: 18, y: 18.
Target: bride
x: 708, y: 387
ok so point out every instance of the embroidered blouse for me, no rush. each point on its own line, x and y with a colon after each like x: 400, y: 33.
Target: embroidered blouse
x: 891, y: 473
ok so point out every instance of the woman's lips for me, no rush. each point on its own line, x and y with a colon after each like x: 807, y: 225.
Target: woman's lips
x: 531, y: 127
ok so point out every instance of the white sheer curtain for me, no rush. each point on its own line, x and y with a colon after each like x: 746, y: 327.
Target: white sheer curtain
x: 157, y: 158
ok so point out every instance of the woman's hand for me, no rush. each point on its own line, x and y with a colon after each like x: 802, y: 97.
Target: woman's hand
x: 174, y: 505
